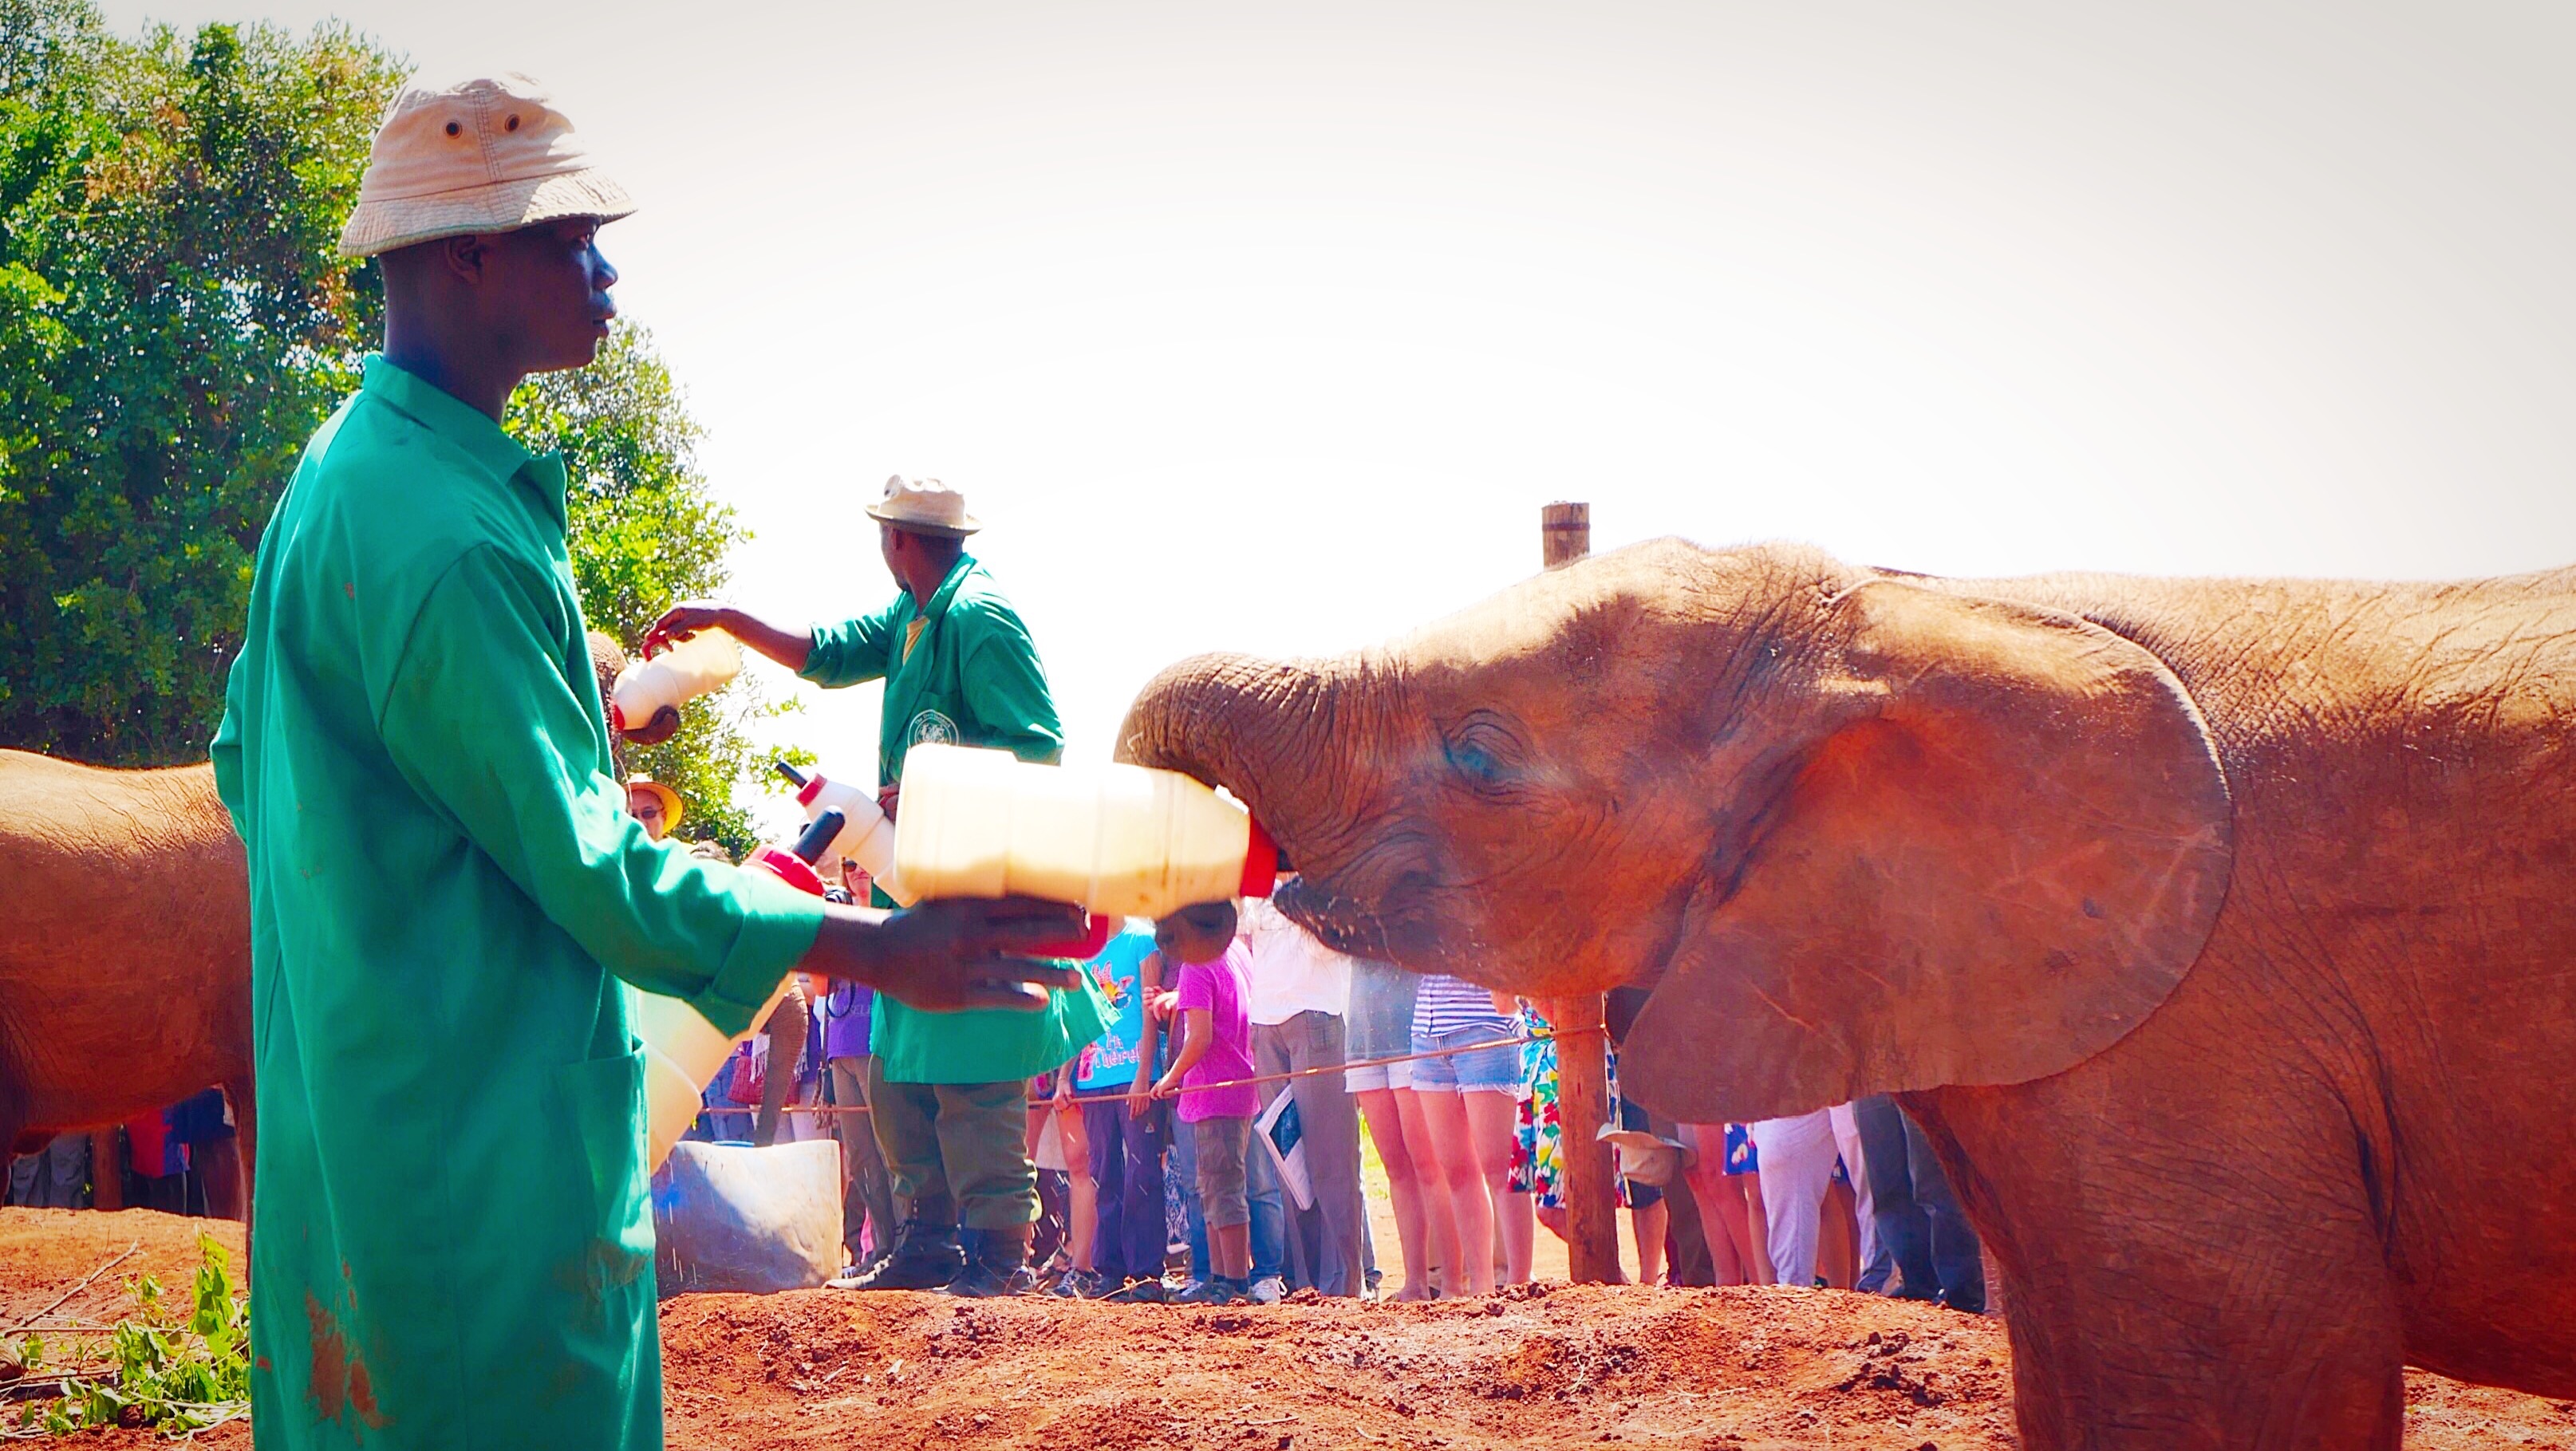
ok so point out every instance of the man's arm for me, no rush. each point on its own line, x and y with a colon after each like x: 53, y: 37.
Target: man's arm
x: 479, y: 720
x: 790, y: 648
x: 1198, y: 1030
x: 1006, y: 689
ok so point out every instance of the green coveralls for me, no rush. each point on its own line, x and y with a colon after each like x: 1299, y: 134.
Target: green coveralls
x: 948, y: 1092
x: 454, y: 1244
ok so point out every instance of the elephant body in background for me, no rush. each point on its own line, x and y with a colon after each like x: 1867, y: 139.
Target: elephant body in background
x: 2220, y: 934
x: 124, y: 947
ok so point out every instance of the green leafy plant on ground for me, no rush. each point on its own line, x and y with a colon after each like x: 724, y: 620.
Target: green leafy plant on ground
x: 157, y: 1367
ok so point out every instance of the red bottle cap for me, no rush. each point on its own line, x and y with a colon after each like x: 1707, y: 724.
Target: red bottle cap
x: 812, y: 788
x: 789, y: 868
x: 1096, y: 932
x: 1260, y: 864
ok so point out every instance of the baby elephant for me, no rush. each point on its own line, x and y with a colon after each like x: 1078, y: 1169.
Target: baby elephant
x: 2219, y: 934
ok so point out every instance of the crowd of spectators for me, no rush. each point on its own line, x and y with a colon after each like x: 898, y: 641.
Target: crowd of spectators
x: 1210, y: 1145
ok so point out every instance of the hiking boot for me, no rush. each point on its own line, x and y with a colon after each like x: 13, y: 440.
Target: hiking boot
x: 1138, y: 1292
x: 1080, y: 1285
x: 1268, y: 1290
x: 997, y: 1263
x: 925, y: 1257
x: 1216, y: 1290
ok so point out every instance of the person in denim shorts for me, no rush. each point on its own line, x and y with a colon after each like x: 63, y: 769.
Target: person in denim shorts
x: 1471, y: 1107
x: 1381, y: 1026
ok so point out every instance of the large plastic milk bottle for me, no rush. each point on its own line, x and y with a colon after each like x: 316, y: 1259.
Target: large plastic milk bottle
x: 703, y: 662
x: 1121, y: 841
x: 682, y: 1050
x: 866, y: 837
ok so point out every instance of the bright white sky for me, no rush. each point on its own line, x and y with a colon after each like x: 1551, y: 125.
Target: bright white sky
x: 1271, y: 326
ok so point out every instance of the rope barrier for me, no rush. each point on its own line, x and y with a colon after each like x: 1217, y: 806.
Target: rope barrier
x: 1551, y: 1036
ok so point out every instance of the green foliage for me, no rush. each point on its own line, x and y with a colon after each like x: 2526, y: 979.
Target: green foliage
x: 159, y: 1368
x: 173, y: 324
x: 647, y: 532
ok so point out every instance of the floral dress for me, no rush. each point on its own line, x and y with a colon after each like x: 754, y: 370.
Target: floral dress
x: 1538, y: 1156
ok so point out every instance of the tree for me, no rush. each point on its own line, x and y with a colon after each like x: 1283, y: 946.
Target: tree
x: 647, y: 532
x: 173, y: 324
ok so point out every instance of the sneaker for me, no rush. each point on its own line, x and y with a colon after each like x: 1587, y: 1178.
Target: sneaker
x: 1268, y: 1290
x: 1138, y: 1292
x: 1215, y: 1290
x: 1081, y: 1285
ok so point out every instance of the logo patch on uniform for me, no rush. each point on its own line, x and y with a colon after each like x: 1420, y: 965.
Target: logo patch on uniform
x: 930, y: 728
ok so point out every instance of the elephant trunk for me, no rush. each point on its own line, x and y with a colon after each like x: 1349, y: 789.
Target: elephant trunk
x: 1261, y: 729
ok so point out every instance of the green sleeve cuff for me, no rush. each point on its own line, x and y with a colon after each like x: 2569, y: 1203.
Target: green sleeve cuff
x: 779, y: 924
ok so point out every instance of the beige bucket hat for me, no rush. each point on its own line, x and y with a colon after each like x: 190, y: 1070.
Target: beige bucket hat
x: 485, y: 155
x: 924, y: 506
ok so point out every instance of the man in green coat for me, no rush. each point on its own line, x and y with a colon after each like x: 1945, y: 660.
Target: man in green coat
x: 947, y: 1094
x: 454, y: 1243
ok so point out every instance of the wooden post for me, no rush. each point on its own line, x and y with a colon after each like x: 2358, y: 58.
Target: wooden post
x: 1582, y: 1085
x: 106, y: 1174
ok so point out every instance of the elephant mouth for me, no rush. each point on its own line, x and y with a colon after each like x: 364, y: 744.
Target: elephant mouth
x: 1359, y: 928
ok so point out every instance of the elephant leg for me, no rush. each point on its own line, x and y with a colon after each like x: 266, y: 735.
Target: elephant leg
x: 2172, y: 1293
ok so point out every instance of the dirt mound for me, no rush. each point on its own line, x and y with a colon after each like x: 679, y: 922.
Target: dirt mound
x: 1743, y: 1368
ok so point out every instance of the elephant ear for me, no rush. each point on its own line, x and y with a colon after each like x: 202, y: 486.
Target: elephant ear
x: 2001, y: 849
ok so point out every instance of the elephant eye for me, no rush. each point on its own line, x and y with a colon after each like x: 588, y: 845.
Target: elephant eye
x: 1485, y: 755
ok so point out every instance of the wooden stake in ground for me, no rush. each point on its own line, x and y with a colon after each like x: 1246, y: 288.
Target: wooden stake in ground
x: 1582, y: 1085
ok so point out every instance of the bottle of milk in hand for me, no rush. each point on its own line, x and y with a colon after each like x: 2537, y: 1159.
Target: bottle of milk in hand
x: 704, y: 662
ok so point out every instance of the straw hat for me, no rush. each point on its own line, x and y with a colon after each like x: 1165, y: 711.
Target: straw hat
x: 924, y: 506
x: 672, y: 810
x: 485, y: 155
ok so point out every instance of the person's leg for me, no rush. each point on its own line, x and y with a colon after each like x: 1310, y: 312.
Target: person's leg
x: 1866, y: 1247
x: 1493, y: 1126
x: 1331, y: 1122
x: 1276, y: 1050
x: 67, y: 1171
x: 1721, y: 1204
x: 1646, y: 1223
x: 1837, y: 1236
x: 1185, y: 1171
x: 1108, y: 1165
x: 1757, y: 1228
x: 1797, y: 1157
x: 1082, y: 1224
x: 1386, y: 1130
x: 1144, y: 1239
x: 1439, y: 1216
x: 1269, y: 1219
x: 983, y: 1148
x: 905, y: 1117
x: 1223, y: 1152
x: 1957, y: 1259
x: 1904, y: 1234
x: 852, y: 1130
x: 1470, y: 1204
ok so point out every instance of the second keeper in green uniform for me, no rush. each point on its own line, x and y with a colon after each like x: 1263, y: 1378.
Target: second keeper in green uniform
x: 948, y: 1094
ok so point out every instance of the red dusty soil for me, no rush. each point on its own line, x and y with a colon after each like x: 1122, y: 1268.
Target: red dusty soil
x: 1744, y: 1368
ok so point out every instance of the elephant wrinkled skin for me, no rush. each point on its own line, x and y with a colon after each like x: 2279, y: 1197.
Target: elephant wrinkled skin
x: 124, y: 948
x: 2221, y: 934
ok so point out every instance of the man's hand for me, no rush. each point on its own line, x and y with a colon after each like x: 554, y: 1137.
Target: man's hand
x: 888, y: 797
x: 951, y: 955
x: 791, y: 648
x: 1140, y: 1102
x: 664, y: 725
x: 685, y: 619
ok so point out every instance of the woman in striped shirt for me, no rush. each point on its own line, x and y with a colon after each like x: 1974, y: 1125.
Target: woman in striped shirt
x: 1470, y: 1104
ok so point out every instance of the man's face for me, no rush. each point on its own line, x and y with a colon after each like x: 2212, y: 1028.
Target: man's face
x: 646, y: 807
x: 888, y: 546
x: 548, y: 292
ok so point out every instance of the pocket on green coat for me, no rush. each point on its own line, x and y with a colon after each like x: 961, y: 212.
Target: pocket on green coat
x: 603, y: 1104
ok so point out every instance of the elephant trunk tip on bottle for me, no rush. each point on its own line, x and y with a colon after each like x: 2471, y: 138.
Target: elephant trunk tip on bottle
x: 2173, y: 910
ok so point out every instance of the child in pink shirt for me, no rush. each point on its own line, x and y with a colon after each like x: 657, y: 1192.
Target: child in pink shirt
x: 1216, y: 1047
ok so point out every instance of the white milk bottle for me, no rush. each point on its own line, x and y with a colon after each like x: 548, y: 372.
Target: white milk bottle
x: 1120, y: 841
x: 703, y: 662
x: 682, y: 1050
x: 867, y: 838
